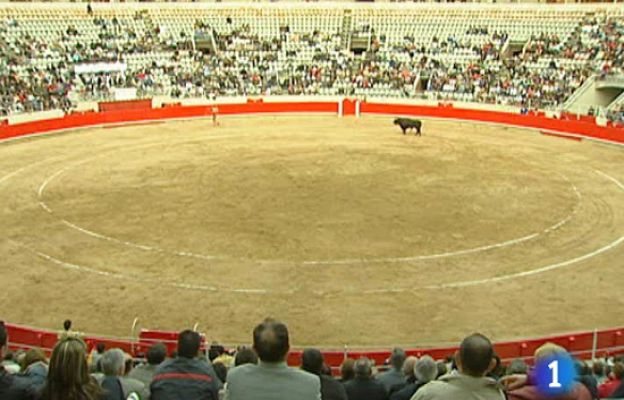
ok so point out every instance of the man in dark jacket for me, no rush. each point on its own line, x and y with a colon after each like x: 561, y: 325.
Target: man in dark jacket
x: 186, y: 376
x: 312, y: 362
x: 145, y: 372
x: 11, y: 387
x: 394, y: 376
x: 363, y: 386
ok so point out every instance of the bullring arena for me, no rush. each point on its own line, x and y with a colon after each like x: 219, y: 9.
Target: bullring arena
x: 344, y: 227
x: 128, y: 210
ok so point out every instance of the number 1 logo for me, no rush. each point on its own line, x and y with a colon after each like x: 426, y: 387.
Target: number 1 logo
x: 554, y: 367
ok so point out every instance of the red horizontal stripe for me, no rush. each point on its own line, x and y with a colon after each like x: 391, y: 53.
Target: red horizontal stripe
x: 183, y: 375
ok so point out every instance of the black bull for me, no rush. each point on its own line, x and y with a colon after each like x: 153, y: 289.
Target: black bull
x: 408, y: 123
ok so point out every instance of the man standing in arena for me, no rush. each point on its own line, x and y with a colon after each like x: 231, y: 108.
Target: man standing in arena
x: 215, y: 111
x: 272, y: 378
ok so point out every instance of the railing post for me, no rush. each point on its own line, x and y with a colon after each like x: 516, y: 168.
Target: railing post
x: 132, y: 337
x: 594, y: 345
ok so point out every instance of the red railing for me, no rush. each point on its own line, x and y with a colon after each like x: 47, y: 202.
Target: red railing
x: 581, y: 344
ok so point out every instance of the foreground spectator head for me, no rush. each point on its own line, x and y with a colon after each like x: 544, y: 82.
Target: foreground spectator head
x: 397, y: 358
x: 245, y: 356
x: 498, y: 370
x: 113, y: 362
x: 363, y: 386
x: 582, y: 368
x: 618, y: 370
x: 221, y: 371
x: 156, y: 354
x: 188, y: 344
x: 548, y: 350
x: 312, y: 361
x: 271, y: 341
x: 68, y: 375
x: 408, y: 366
x: 476, y: 355
x: 598, y: 368
x: 215, y: 351
x: 363, y: 368
x: 442, y: 369
x: 4, y: 338
x: 578, y: 391
x: 425, y: 369
x: 517, y: 366
x: 346, y: 369
x: 31, y: 357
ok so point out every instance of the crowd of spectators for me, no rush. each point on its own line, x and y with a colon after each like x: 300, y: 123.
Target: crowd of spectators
x: 37, y: 73
x: 260, y: 372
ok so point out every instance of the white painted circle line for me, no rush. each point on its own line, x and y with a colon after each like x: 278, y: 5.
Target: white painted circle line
x: 22, y: 169
x: 461, y: 284
x: 49, y: 179
x: 91, y: 270
x: 612, y: 179
x: 535, y: 271
x: 407, y: 259
x: 542, y: 269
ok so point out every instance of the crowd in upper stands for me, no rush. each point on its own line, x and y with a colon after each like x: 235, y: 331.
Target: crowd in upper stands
x: 249, y: 64
x: 260, y: 372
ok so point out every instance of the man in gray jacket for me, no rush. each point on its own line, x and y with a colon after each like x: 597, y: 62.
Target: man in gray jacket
x: 474, y: 360
x: 271, y: 379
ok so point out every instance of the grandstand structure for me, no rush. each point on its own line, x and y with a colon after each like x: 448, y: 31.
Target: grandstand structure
x: 538, y: 66
x: 533, y: 56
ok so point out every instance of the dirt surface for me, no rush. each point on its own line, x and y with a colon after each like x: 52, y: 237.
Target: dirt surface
x: 343, y: 228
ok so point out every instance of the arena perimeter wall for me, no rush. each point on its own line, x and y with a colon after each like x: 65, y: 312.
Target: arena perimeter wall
x: 582, y: 344
x: 568, y: 125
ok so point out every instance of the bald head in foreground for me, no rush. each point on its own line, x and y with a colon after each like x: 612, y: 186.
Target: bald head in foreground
x: 474, y: 359
x: 271, y: 378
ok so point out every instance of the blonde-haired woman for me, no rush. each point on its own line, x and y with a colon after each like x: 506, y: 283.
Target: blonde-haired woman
x: 68, y: 374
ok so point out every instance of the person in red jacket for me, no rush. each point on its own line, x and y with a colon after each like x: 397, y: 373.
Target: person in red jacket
x: 613, y: 382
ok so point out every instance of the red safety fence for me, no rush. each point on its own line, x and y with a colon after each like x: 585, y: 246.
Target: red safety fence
x: 135, y: 111
x: 568, y: 123
x: 106, y: 106
x: 581, y: 344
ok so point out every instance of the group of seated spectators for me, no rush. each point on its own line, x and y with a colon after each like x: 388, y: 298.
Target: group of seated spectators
x: 260, y: 372
x: 247, y: 64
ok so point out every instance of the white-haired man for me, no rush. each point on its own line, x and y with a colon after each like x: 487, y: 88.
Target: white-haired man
x: 425, y: 371
x: 113, y: 367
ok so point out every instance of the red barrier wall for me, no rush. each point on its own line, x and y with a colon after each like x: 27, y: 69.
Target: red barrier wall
x: 568, y: 125
x: 581, y: 127
x: 125, y: 105
x: 79, y: 120
x: 348, y: 107
x: 608, y: 341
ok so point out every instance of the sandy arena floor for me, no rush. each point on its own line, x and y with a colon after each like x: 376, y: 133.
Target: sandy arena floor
x: 343, y: 228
